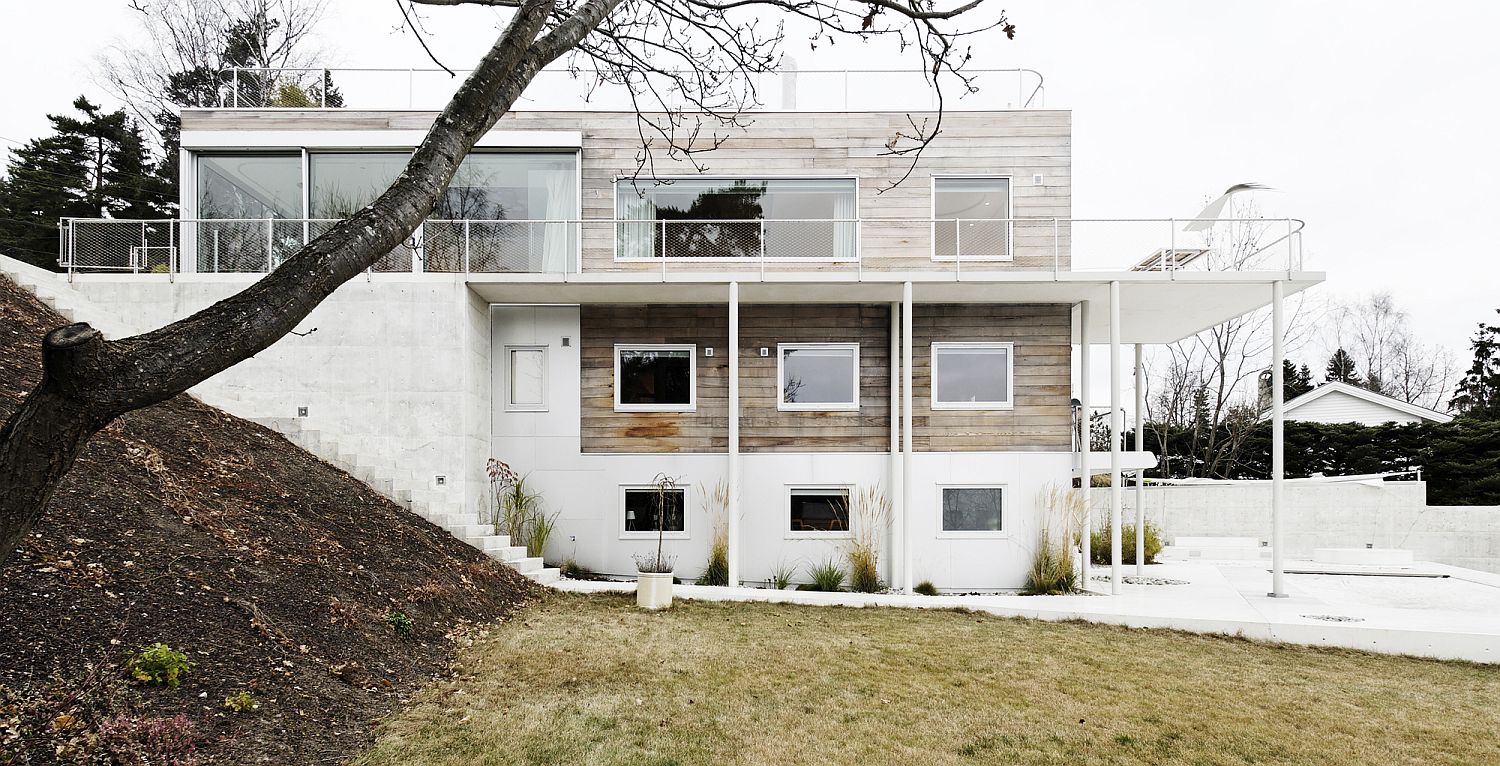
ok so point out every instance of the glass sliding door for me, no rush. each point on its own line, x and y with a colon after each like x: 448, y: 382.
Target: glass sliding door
x: 344, y: 182
x: 789, y: 218
x: 519, y: 212
x: 251, y: 210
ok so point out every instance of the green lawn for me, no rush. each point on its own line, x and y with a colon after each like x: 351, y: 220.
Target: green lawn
x: 593, y: 680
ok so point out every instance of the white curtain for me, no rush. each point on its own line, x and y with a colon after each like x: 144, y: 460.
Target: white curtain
x: 558, y: 240
x: 845, y: 231
x: 634, y: 240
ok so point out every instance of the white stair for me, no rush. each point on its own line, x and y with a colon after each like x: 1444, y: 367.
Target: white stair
x: 1215, y: 549
x: 387, y: 479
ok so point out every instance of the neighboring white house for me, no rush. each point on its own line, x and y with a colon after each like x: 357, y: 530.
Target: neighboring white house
x: 1343, y: 403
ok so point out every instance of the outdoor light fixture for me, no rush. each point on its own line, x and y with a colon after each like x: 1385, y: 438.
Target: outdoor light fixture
x: 440, y: 480
x: 708, y: 350
x: 301, y: 412
x: 765, y: 351
x: 567, y: 341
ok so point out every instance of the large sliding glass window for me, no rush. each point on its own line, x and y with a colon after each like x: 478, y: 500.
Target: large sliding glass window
x: 537, y: 193
x: 344, y: 182
x: 971, y: 218
x: 811, y: 218
x: 240, y: 195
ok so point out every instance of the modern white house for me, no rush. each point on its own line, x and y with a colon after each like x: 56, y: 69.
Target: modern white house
x: 786, y: 322
x: 1342, y: 403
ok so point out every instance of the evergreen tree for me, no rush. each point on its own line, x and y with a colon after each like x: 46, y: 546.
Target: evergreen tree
x: 94, y: 166
x: 1478, y: 392
x: 1295, y: 381
x: 1341, y: 369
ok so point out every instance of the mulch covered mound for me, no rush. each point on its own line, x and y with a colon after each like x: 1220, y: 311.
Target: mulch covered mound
x: 276, y: 574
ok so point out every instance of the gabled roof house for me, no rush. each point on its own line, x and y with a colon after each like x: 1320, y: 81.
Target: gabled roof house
x: 1342, y: 403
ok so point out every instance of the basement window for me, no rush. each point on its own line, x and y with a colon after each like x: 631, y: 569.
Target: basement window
x: 656, y: 378
x: 972, y: 376
x: 818, y: 376
x: 973, y: 510
x: 644, y: 509
x: 819, y: 511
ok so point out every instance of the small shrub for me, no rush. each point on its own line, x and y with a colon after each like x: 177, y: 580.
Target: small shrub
x: 240, y: 703
x: 540, y: 531
x: 871, y: 510
x: 130, y: 739
x: 571, y: 569
x: 399, y: 622
x: 782, y: 574
x: 655, y: 563
x: 925, y: 588
x: 1099, y: 544
x: 827, y: 576
x: 158, y: 664
x: 1052, y: 572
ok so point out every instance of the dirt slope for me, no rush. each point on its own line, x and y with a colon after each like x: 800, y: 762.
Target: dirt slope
x: 274, y: 572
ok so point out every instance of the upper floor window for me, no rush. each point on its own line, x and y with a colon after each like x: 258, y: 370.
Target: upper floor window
x: 818, y: 376
x: 794, y: 218
x: 972, y: 376
x: 344, y: 182
x: 521, y: 209
x: 249, y: 186
x: 971, y: 218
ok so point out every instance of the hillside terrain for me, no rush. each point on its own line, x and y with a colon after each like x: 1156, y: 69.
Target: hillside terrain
x: 276, y: 574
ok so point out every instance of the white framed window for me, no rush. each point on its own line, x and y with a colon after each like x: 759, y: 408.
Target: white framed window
x: 526, y: 378
x: 660, y: 377
x: 973, y: 376
x: 818, y: 510
x: 971, y: 218
x: 643, y: 508
x: 972, y: 510
x: 817, y: 376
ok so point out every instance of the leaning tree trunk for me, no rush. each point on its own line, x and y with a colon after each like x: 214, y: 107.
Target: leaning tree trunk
x: 88, y: 381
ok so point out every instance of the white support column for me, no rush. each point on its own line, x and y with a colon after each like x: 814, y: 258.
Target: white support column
x: 1116, y: 435
x: 906, y: 439
x: 894, y: 483
x: 1085, y: 436
x: 1278, y: 456
x: 734, y: 433
x: 1140, y: 476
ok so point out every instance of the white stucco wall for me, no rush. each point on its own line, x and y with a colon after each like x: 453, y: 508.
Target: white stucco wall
x: 1391, y: 515
x: 397, y: 369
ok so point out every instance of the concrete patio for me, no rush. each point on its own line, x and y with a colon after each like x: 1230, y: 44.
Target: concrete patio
x: 1425, y: 610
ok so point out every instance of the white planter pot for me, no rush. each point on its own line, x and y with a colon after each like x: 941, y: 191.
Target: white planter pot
x: 653, y: 590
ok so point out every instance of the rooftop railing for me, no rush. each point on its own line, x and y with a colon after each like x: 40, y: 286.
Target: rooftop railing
x: 793, y: 90
x: 959, y: 246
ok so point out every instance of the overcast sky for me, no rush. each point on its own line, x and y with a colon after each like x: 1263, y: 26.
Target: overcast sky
x: 1376, y: 121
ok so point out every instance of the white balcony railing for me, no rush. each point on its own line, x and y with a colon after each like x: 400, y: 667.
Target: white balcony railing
x: 1056, y: 245
x: 790, y: 89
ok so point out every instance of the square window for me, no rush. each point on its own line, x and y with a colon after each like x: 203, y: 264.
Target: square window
x: 526, y: 378
x: 818, y: 376
x: 658, y: 378
x: 645, y: 510
x: 971, y: 218
x: 972, y: 376
x: 820, y: 510
x: 973, y: 509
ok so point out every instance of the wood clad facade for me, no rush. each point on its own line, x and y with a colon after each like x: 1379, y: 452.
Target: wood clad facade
x: 1042, y: 415
x: 895, y: 231
x: 1039, y: 421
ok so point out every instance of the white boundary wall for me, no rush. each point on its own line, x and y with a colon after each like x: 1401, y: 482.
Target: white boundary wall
x: 1344, y: 515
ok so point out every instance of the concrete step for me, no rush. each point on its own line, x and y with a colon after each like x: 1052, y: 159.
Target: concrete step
x: 546, y: 575
x: 470, y: 531
x: 493, y: 542
x: 507, y: 553
x: 526, y: 565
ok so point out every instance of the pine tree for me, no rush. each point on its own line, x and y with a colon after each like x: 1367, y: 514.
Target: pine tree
x: 1478, y: 391
x: 1341, y: 369
x: 94, y: 166
x: 1295, y: 381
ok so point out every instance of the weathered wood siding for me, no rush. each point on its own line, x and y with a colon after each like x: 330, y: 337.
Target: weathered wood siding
x: 1043, y: 386
x: 896, y: 233
x: 764, y: 428
x: 603, y: 429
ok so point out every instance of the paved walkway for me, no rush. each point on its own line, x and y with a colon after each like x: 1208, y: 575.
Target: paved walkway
x: 1452, y: 613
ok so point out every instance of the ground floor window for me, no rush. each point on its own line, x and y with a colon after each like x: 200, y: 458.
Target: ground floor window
x: 972, y: 376
x: 819, y: 510
x: 645, y: 509
x: 526, y: 378
x: 973, y: 509
x: 655, y: 378
x: 818, y: 376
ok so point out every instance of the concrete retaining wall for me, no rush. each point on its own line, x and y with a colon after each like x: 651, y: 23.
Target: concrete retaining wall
x: 1390, y: 515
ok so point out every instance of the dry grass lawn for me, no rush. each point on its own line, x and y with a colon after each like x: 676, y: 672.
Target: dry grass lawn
x: 593, y: 680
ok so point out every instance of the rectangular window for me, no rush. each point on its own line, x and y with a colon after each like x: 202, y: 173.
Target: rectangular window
x: 789, y: 218
x: 973, y: 509
x: 236, y: 195
x: 656, y: 378
x: 971, y: 218
x: 526, y: 378
x: 342, y: 183
x: 646, y: 510
x: 522, y: 213
x: 817, y: 511
x: 972, y: 376
x: 818, y: 376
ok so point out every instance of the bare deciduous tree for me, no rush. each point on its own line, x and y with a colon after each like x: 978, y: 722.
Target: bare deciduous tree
x: 685, y: 62
x: 1377, y: 333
